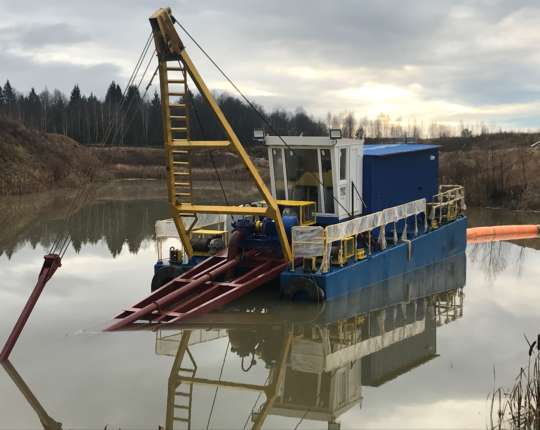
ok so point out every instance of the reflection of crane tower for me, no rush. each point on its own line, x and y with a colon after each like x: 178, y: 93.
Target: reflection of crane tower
x: 186, y: 377
x: 180, y: 395
x: 317, y: 370
x: 46, y: 421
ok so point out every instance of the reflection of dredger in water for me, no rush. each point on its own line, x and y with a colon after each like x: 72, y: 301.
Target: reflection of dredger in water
x: 316, y: 368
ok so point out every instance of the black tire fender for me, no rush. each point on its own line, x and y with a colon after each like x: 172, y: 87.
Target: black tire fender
x: 164, y: 275
x: 304, y: 289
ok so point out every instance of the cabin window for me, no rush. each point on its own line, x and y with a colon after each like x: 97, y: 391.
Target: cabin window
x: 343, y: 164
x: 326, y: 169
x: 277, y: 161
x: 302, y: 174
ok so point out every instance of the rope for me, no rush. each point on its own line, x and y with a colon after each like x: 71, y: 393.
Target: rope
x: 217, y: 387
x: 130, y: 82
x: 142, y: 98
x: 252, y: 106
x: 251, y: 363
x: 61, y: 244
x: 124, y: 130
x: 63, y: 240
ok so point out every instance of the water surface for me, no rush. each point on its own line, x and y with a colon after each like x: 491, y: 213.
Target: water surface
x: 405, y: 355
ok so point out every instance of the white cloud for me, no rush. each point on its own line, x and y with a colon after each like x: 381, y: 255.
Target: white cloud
x: 444, y: 61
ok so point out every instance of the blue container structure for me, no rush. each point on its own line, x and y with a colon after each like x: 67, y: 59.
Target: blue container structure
x: 398, y: 173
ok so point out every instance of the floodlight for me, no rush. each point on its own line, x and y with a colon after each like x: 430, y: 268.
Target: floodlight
x: 335, y: 133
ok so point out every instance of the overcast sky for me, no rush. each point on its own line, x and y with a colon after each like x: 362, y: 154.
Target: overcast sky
x: 427, y: 60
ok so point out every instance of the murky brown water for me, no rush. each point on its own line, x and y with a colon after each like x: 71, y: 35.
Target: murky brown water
x: 416, y: 351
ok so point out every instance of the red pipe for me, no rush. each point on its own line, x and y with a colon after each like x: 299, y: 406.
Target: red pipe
x: 157, y: 304
x: 51, y: 263
x: 502, y: 232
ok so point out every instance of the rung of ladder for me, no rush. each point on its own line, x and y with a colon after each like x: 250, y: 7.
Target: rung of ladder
x: 185, y: 143
x: 176, y: 81
x: 181, y: 173
x: 175, y: 93
x: 181, y: 407
x: 184, y: 420
x: 177, y: 116
x: 175, y: 69
x: 178, y: 105
x: 181, y: 162
x: 185, y: 195
x: 178, y: 128
x: 182, y: 184
x: 180, y: 151
x: 181, y: 394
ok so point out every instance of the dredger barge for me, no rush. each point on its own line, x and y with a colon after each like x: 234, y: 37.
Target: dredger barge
x: 336, y: 216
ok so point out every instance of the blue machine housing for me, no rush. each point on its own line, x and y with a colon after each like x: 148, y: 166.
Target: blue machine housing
x: 394, y: 174
x: 268, y: 236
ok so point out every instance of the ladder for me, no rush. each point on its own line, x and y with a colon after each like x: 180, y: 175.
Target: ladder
x: 180, y: 390
x: 178, y: 148
x: 174, y: 91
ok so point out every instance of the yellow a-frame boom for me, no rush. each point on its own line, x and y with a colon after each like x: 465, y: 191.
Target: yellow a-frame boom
x: 178, y: 144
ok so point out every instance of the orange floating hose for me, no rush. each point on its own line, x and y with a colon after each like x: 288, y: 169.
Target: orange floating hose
x: 502, y: 232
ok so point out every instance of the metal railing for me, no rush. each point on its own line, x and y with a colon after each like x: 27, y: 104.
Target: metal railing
x: 447, y: 205
x: 315, y: 242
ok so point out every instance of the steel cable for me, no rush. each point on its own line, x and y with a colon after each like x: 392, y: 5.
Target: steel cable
x: 130, y: 81
x: 217, y: 387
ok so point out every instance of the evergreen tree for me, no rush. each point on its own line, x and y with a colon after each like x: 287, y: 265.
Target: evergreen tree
x: 58, y: 113
x: 33, y: 110
x: 2, y: 101
x: 133, y: 127
x: 10, y: 99
x: 155, y: 130
x: 45, y: 98
x: 75, y: 114
x: 113, y: 114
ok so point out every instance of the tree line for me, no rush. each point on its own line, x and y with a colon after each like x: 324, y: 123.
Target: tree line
x: 125, y: 117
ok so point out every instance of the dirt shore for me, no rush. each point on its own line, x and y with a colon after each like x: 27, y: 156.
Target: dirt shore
x: 34, y: 161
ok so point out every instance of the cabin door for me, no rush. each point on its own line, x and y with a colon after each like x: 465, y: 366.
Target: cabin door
x: 343, y: 183
x: 355, y: 169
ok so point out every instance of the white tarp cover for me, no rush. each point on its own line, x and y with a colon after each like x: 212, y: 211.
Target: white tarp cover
x: 369, y: 222
x: 166, y: 228
x: 308, y: 241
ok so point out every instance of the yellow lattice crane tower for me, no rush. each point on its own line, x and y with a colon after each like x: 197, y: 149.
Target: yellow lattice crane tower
x: 175, y: 66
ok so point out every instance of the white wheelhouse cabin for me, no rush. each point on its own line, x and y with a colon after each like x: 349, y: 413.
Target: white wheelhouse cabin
x: 317, y: 169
